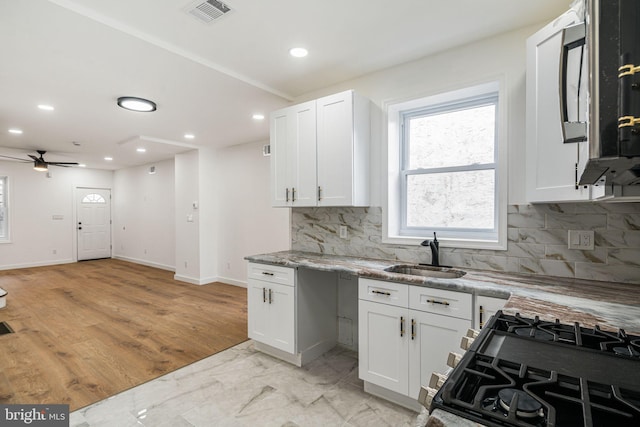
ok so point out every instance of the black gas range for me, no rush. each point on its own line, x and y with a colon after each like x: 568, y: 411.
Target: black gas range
x: 529, y: 372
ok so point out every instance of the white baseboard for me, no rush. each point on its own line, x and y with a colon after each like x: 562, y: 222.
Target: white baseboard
x: 36, y: 264
x: 145, y: 262
x: 195, y: 280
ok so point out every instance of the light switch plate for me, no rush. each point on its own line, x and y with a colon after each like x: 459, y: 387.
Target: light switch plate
x: 343, y: 231
x: 581, y: 239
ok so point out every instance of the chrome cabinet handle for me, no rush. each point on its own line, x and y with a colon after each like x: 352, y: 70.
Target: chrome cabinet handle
x: 293, y: 194
x: 286, y: 192
x: 270, y: 297
x: 264, y: 295
x: 401, y: 326
x: 319, y: 193
x: 435, y: 301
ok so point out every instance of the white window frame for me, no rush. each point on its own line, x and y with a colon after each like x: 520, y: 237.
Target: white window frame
x: 393, y: 203
x: 5, y: 195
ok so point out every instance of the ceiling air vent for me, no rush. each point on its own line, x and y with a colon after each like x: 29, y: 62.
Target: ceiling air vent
x: 209, y: 10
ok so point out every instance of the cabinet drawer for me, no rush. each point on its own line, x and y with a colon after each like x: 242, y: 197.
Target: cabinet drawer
x: 272, y: 274
x: 385, y: 292
x: 439, y: 301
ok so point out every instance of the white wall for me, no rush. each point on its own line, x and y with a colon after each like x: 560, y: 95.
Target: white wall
x: 501, y: 57
x: 144, y: 215
x: 187, y: 232
x: 248, y: 224
x: 33, y: 201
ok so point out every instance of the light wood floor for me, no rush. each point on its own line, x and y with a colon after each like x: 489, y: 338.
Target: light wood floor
x: 89, y: 330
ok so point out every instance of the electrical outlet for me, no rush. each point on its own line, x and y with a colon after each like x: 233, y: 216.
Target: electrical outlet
x: 581, y: 239
x: 343, y: 232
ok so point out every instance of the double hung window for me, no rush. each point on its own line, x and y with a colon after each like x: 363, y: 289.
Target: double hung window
x: 447, y: 175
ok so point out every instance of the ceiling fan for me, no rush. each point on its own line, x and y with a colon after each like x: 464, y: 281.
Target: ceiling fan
x: 39, y: 163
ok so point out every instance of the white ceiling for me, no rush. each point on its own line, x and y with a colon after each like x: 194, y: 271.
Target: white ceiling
x: 207, y: 79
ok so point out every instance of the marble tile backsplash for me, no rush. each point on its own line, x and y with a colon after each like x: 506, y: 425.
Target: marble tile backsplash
x: 537, y: 240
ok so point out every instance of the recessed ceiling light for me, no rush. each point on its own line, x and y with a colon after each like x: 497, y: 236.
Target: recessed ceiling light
x: 136, y: 104
x: 258, y: 116
x: 15, y: 131
x: 298, y: 52
x: 108, y: 158
x: 46, y: 107
x: 141, y: 150
x: 189, y: 136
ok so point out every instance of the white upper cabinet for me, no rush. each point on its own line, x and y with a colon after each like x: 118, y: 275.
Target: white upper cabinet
x: 553, y: 166
x: 293, y: 155
x: 320, y: 152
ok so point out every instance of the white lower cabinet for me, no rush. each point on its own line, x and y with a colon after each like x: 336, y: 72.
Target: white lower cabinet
x: 271, y: 307
x: 291, y: 313
x: 383, y: 349
x: 400, y: 346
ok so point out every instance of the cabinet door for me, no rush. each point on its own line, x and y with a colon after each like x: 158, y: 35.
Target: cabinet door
x: 485, y: 308
x: 271, y: 314
x: 432, y: 338
x: 383, y: 345
x: 552, y: 167
x: 293, y: 155
x: 281, y: 303
x: 305, y: 161
x: 335, y: 149
x: 258, y: 311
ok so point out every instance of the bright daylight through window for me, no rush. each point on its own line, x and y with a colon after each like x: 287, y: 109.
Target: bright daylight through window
x: 446, y: 180
x: 4, y: 219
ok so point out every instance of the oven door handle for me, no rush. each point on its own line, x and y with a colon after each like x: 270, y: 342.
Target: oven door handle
x: 573, y: 37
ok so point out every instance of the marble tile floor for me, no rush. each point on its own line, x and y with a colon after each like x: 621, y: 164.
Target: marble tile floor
x: 243, y: 387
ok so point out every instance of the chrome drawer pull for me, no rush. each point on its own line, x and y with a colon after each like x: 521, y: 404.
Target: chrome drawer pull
x: 434, y: 301
x: 381, y: 293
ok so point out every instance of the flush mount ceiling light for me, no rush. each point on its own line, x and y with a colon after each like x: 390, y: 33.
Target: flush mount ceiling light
x: 189, y: 136
x: 298, y: 52
x: 46, y: 107
x: 136, y: 104
x: 258, y: 116
x: 141, y: 150
x: 108, y: 159
x: 15, y: 131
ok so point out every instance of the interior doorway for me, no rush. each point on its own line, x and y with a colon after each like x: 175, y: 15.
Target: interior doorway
x: 93, y: 213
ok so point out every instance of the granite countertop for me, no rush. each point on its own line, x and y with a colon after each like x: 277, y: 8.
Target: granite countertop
x: 607, y: 304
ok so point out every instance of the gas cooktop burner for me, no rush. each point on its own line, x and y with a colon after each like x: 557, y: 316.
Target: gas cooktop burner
x: 526, y: 406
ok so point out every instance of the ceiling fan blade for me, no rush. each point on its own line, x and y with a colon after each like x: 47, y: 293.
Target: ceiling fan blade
x: 16, y: 158
x: 62, y: 163
x: 34, y: 157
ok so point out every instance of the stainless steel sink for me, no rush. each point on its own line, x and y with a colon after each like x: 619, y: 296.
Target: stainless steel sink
x: 426, y: 271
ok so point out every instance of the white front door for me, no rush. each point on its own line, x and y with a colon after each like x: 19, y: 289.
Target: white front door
x: 94, y: 223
